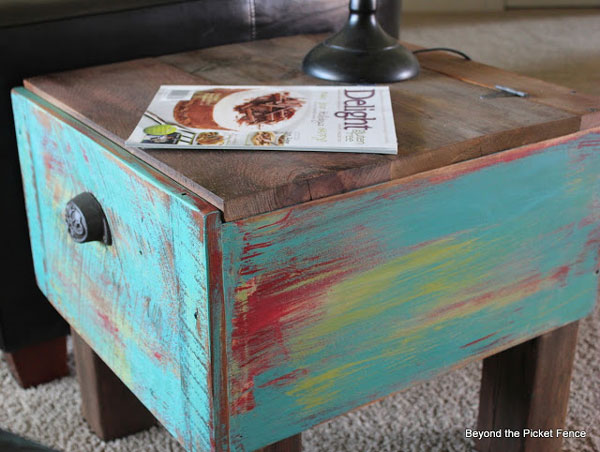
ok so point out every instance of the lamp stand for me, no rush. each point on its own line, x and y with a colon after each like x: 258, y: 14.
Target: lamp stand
x: 362, y: 52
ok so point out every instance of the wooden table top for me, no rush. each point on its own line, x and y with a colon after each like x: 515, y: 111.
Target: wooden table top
x: 441, y: 118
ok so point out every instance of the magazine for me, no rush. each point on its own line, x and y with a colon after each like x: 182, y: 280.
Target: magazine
x: 284, y: 118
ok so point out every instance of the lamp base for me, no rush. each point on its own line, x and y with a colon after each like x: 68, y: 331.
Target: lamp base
x: 362, y: 52
x: 385, y: 65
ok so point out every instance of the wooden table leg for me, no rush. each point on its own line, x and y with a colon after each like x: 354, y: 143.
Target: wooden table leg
x: 109, y: 407
x: 39, y: 363
x: 291, y: 444
x: 527, y: 387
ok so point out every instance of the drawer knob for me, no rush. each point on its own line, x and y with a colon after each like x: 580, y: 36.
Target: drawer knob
x: 86, y: 221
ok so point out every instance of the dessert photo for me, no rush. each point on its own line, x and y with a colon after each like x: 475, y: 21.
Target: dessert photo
x: 210, y: 138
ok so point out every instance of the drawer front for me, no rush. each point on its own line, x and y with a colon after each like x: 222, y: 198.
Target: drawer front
x: 142, y: 301
x: 342, y: 301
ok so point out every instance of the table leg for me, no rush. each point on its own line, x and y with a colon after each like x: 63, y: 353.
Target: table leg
x: 527, y: 387
x: 291, y: 444
x: 109, y: 407
x: 39, y: 363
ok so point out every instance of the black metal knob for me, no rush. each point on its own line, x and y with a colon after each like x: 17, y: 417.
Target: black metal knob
x: 86, y: 221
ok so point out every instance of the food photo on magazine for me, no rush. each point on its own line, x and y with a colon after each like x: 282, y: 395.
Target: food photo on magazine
x: 286, y: 118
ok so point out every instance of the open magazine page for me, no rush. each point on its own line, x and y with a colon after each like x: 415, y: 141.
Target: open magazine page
x: 287, y: 118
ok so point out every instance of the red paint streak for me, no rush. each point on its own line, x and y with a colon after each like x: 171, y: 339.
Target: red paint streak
x: 560, y: 275
x: 586, y: 221
x: 500, y: 340
x: 249, y: 270
x: 109, y: 326
x: 479, y: 340
x: 278, y: 302
x: 588, y: 144
x: 52, y: 164
x: 242, y: 288
x: 528, y: 285
x: 593, y: 238
x: 218, y: 374
x: 249, y: 256
x: 82, y: 151
x: 404, y: 189
x: 285, y: 379
x: 253, y: 246
x: 592, y: 245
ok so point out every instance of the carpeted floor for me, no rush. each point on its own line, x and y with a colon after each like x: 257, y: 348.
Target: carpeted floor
x: 561, y: 46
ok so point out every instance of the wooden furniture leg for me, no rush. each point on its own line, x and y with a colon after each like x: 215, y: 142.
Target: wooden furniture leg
x: 39, y: 363
x: 527, y: 387
x: 291, y: 444
x: 109, y: 407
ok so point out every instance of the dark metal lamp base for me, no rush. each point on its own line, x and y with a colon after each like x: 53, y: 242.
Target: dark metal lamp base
x: 362, y: 52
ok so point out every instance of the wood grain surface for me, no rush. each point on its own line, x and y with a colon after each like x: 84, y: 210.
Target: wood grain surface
x: 527, y: 387
x: 538, y: 91
x: 340, y: 301
x: 142, y: 302
x: 441, y: 118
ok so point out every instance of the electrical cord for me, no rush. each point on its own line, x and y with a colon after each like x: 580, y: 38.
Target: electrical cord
x: 444, y: 49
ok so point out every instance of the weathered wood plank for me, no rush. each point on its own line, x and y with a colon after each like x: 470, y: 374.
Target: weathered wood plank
x: 439, y: 120
x: 527, y: 387
x: 341, y: 301
x: 219, y: 356
x: 539, y: 91
x: 136, y: 302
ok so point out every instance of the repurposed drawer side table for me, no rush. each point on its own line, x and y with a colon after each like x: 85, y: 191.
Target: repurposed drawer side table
x: 244, y: 297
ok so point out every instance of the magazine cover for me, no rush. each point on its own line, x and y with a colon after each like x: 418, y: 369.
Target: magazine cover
x: 286, y: 118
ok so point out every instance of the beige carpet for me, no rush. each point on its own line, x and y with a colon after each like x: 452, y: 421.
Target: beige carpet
x: 559, y: 46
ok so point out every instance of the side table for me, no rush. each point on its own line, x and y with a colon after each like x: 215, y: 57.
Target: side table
x: 244, y: 297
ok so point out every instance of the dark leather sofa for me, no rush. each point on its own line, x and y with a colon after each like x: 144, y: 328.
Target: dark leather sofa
x: 41, y: 36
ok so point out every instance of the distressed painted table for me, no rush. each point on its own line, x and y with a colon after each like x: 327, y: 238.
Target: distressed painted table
x: 247, y: 296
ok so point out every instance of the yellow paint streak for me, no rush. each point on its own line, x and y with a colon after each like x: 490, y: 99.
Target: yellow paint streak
x: 304, y: 282
x: 315, y: 390
x: 348, y: 303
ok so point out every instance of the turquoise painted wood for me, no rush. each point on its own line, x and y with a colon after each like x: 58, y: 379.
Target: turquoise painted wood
x: 335, y: 303
x: 142, y: 303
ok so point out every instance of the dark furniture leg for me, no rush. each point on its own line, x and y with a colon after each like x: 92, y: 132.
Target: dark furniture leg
x: 109, y: 407
x: 291, y: 444
x: 40, y: 363
x: 527, y: 387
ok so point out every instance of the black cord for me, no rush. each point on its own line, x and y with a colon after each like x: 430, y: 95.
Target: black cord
x: 444, y: 49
